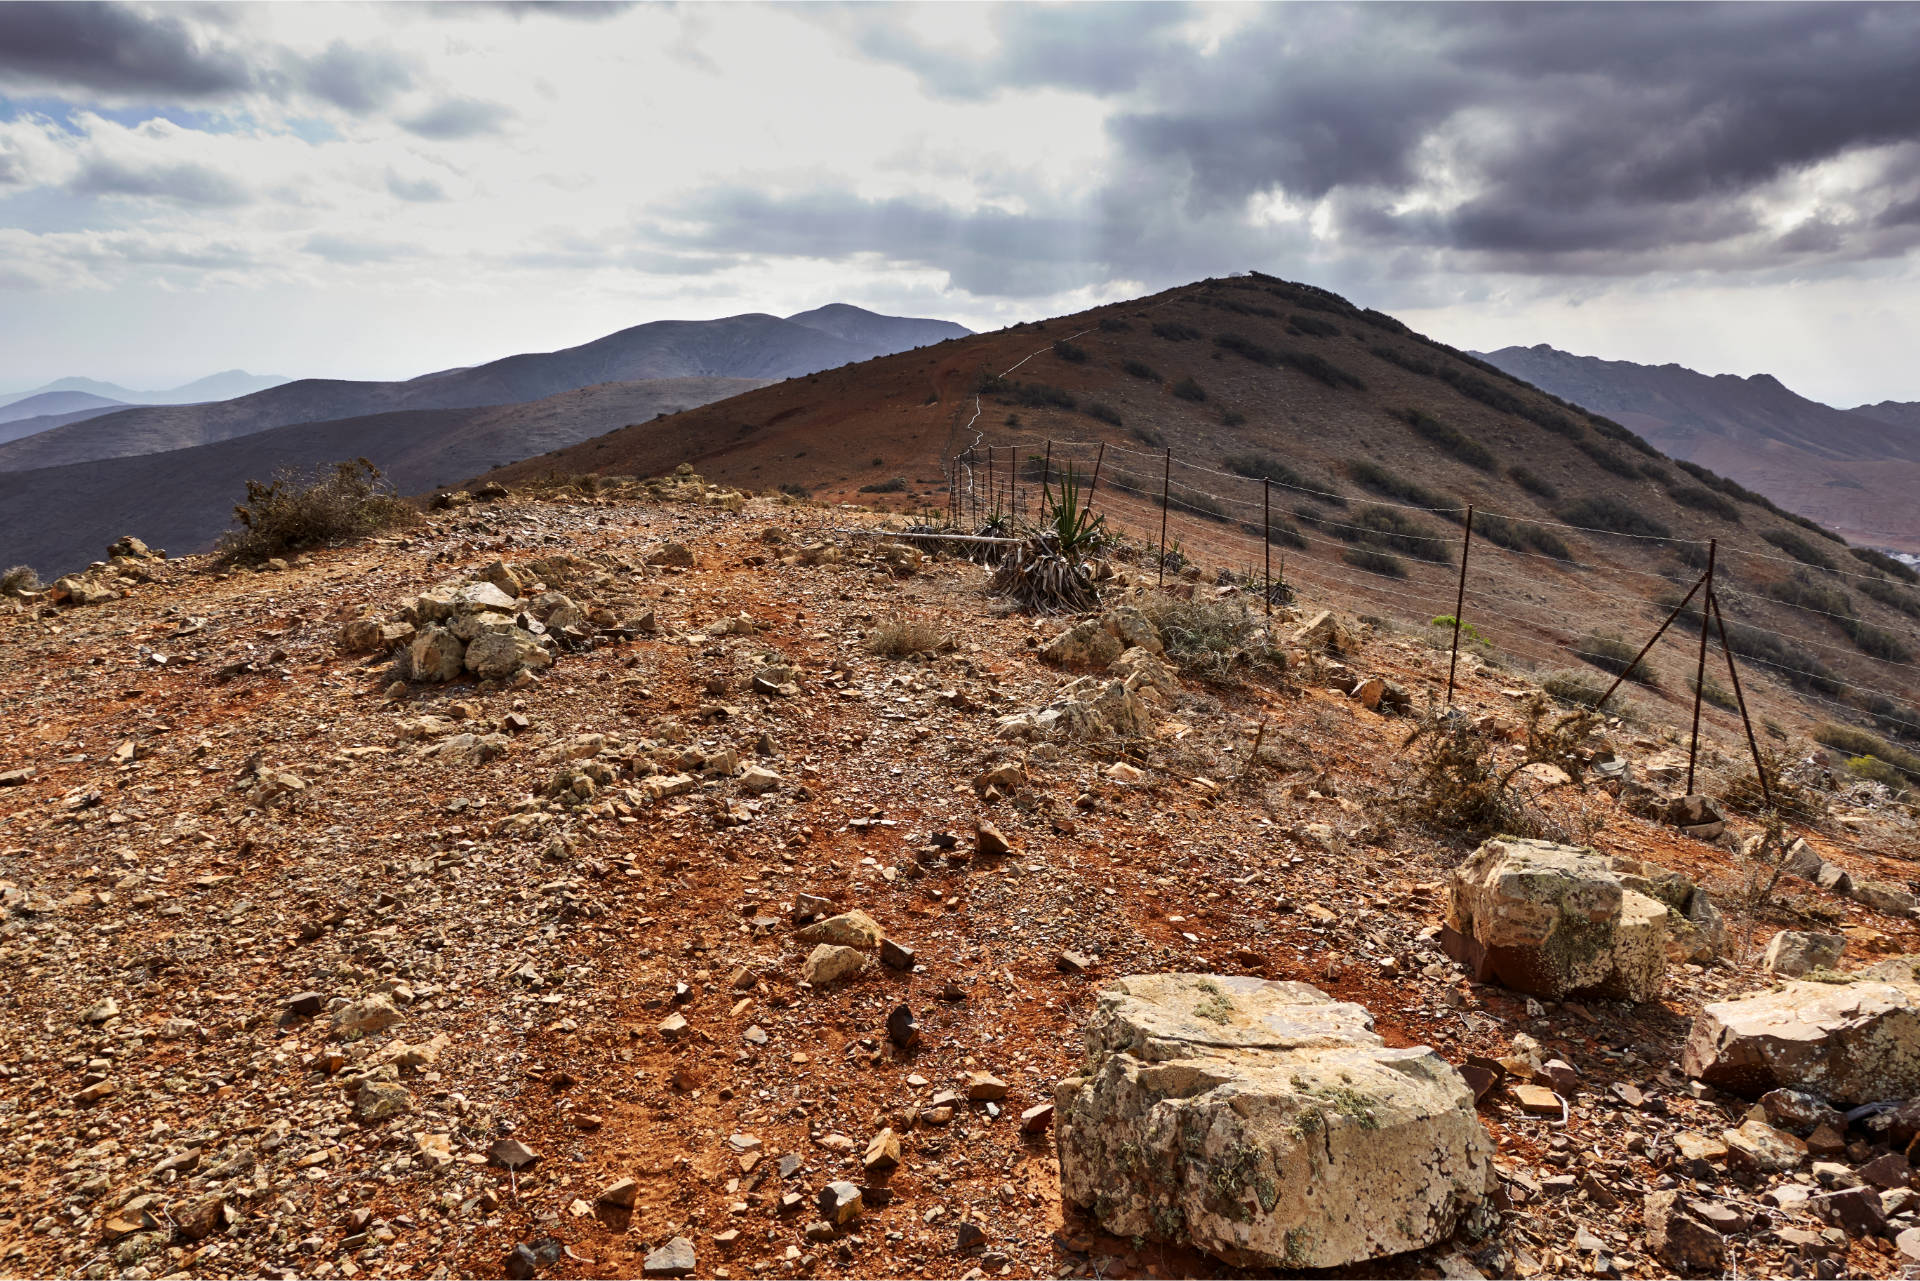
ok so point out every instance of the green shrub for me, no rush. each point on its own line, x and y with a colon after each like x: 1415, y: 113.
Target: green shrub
x: 1039, y: 396
x: 1394, y: 530
x: 1456, y: 443
x: 1800, y: 591
x: 898, y: 485
x: 1655, y: 472
x: 1875, y: 770
x: 1575, y: 686
x: 1147, y: 435
x: 1798, y: 548
x: 1114, y: 325
x: 1188, y: 389
x: 1612, y: 653
x: 1279, y: 533
x: 1531, y: 483
x: 1877, y: 642
x: 1105, y: 413
x: 1604, y: 511
x: 792, y: 490
x: 1890, y: 595
x: 1371, y: 475
x: 1607, y: 458
x: 1520, y: 536
x: 1068, y: 352
x: 1313, y: 326
x: 1139, y: 369
x: 1712, y: 691
x: 300, y: 509
x: 1885, y: 563
x: 1247, y: 348
x: 1267, y: 467
x: 1373, y: 562
x: 1232, y: 418
x: 1700, y: 498
x: 1174, y: 331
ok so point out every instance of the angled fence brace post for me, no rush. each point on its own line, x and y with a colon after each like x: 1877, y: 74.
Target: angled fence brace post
x: 993, y: 486
x: 1099, y: 458
x: 1460, y: 602
x: 1600, y: 702
x: 1700, y: 670
x: 1266, y: 536
x: 1166, y: 481
x: 1046, y: 478
x: 1759, y: 766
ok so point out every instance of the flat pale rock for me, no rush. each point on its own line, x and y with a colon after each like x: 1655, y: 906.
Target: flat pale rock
x: 828, y: 964
x: 1792, y: 953
x: 1265, y: 1124
x: 1847, y: 1043
x: 1537, y: 1100
x: 1760, y: 1147
x: 674, y: 1259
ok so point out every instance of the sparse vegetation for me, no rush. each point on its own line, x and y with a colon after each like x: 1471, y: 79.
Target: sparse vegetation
x: 1612, y: 653
x: 1174, y: 331
x: 21, y: 580
x: 1700, y: 498
x: 1232, y: 418
x: 1461, y: 786
x: 906, y: 637
x: 1859, y: 743
x: 1068, y: 352
x: 1374, y: 562
x: 1455, y: 443
x: 1604, y: 511
x: 1875, y: 770
x: 1891, y: 595
x: 1532, y: 483
x: 898, y: 485
x: 1105, y: 413
x: 1312, y: 326
x: 1798, y: 548
x: 301, y: 509
x: 1139, y: 369
x: 1394, y: 530
x: 1371, y: 475
x: 1575, y: 686
x: 1521, y: 536
x: 1114, y: 325
x: 1208, y: 639
x: 1885, y: 563
x: 1188, y: 389
x: 1267, y: 467
x: 1038, y: 396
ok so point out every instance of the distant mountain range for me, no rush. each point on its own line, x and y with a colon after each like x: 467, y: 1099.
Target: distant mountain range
x: 221, y: 386
x: 1854, y: 470
x: 750, y: 346
x: 171, y: 473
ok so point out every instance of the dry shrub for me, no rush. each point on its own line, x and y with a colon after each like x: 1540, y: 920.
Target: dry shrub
x: 905, y: 637
x: 1460, y: 786
x: 298, y: 509
x: 21, y: 580
x: 1574, y: 686
x: 1211, y: 640
x: 1041, y: 579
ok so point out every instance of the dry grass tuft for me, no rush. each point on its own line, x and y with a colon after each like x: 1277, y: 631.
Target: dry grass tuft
x: 907, y: 637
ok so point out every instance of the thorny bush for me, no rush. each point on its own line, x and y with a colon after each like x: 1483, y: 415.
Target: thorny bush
x: 1460, y: 785
x: 299, y: 510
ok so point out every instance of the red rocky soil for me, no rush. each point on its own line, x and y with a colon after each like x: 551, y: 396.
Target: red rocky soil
x: 224, y: 812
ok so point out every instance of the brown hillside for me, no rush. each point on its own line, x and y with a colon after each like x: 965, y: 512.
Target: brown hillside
x: 1352, y: 403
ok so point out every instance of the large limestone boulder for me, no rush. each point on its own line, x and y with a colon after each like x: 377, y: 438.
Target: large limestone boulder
x: 1848, y: 1043
x: 1085, y: 644
x: 1696, y: 930
x: 1554, y: 920
x: 1791, y: 953
x: 1264, y: 1123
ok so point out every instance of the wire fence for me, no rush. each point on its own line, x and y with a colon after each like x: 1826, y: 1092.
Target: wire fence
x: 1496, y: 573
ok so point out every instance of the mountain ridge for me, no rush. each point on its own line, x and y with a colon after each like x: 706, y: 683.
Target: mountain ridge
x: 1852, y: 470
x: 753, y: 345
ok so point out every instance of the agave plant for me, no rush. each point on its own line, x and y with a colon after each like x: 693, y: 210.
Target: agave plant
x: 1069, y: 517
x: 1042, y: 579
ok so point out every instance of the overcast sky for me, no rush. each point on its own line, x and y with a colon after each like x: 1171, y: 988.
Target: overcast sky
x: 377, y: 191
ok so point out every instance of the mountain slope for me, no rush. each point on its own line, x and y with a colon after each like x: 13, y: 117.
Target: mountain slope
x: 750, y: 346
x: 1853, y: 471
x: 56, y: 402
x: 59, y: 519
x: 1251, y: 376
x: 21, y: 428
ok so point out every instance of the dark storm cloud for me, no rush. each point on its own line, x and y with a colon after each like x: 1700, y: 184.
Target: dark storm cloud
x: 115, y: 49
x: 161, y: 56
x: 1574, y: 131
x: 457, y: 118
x: 185, y: 183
